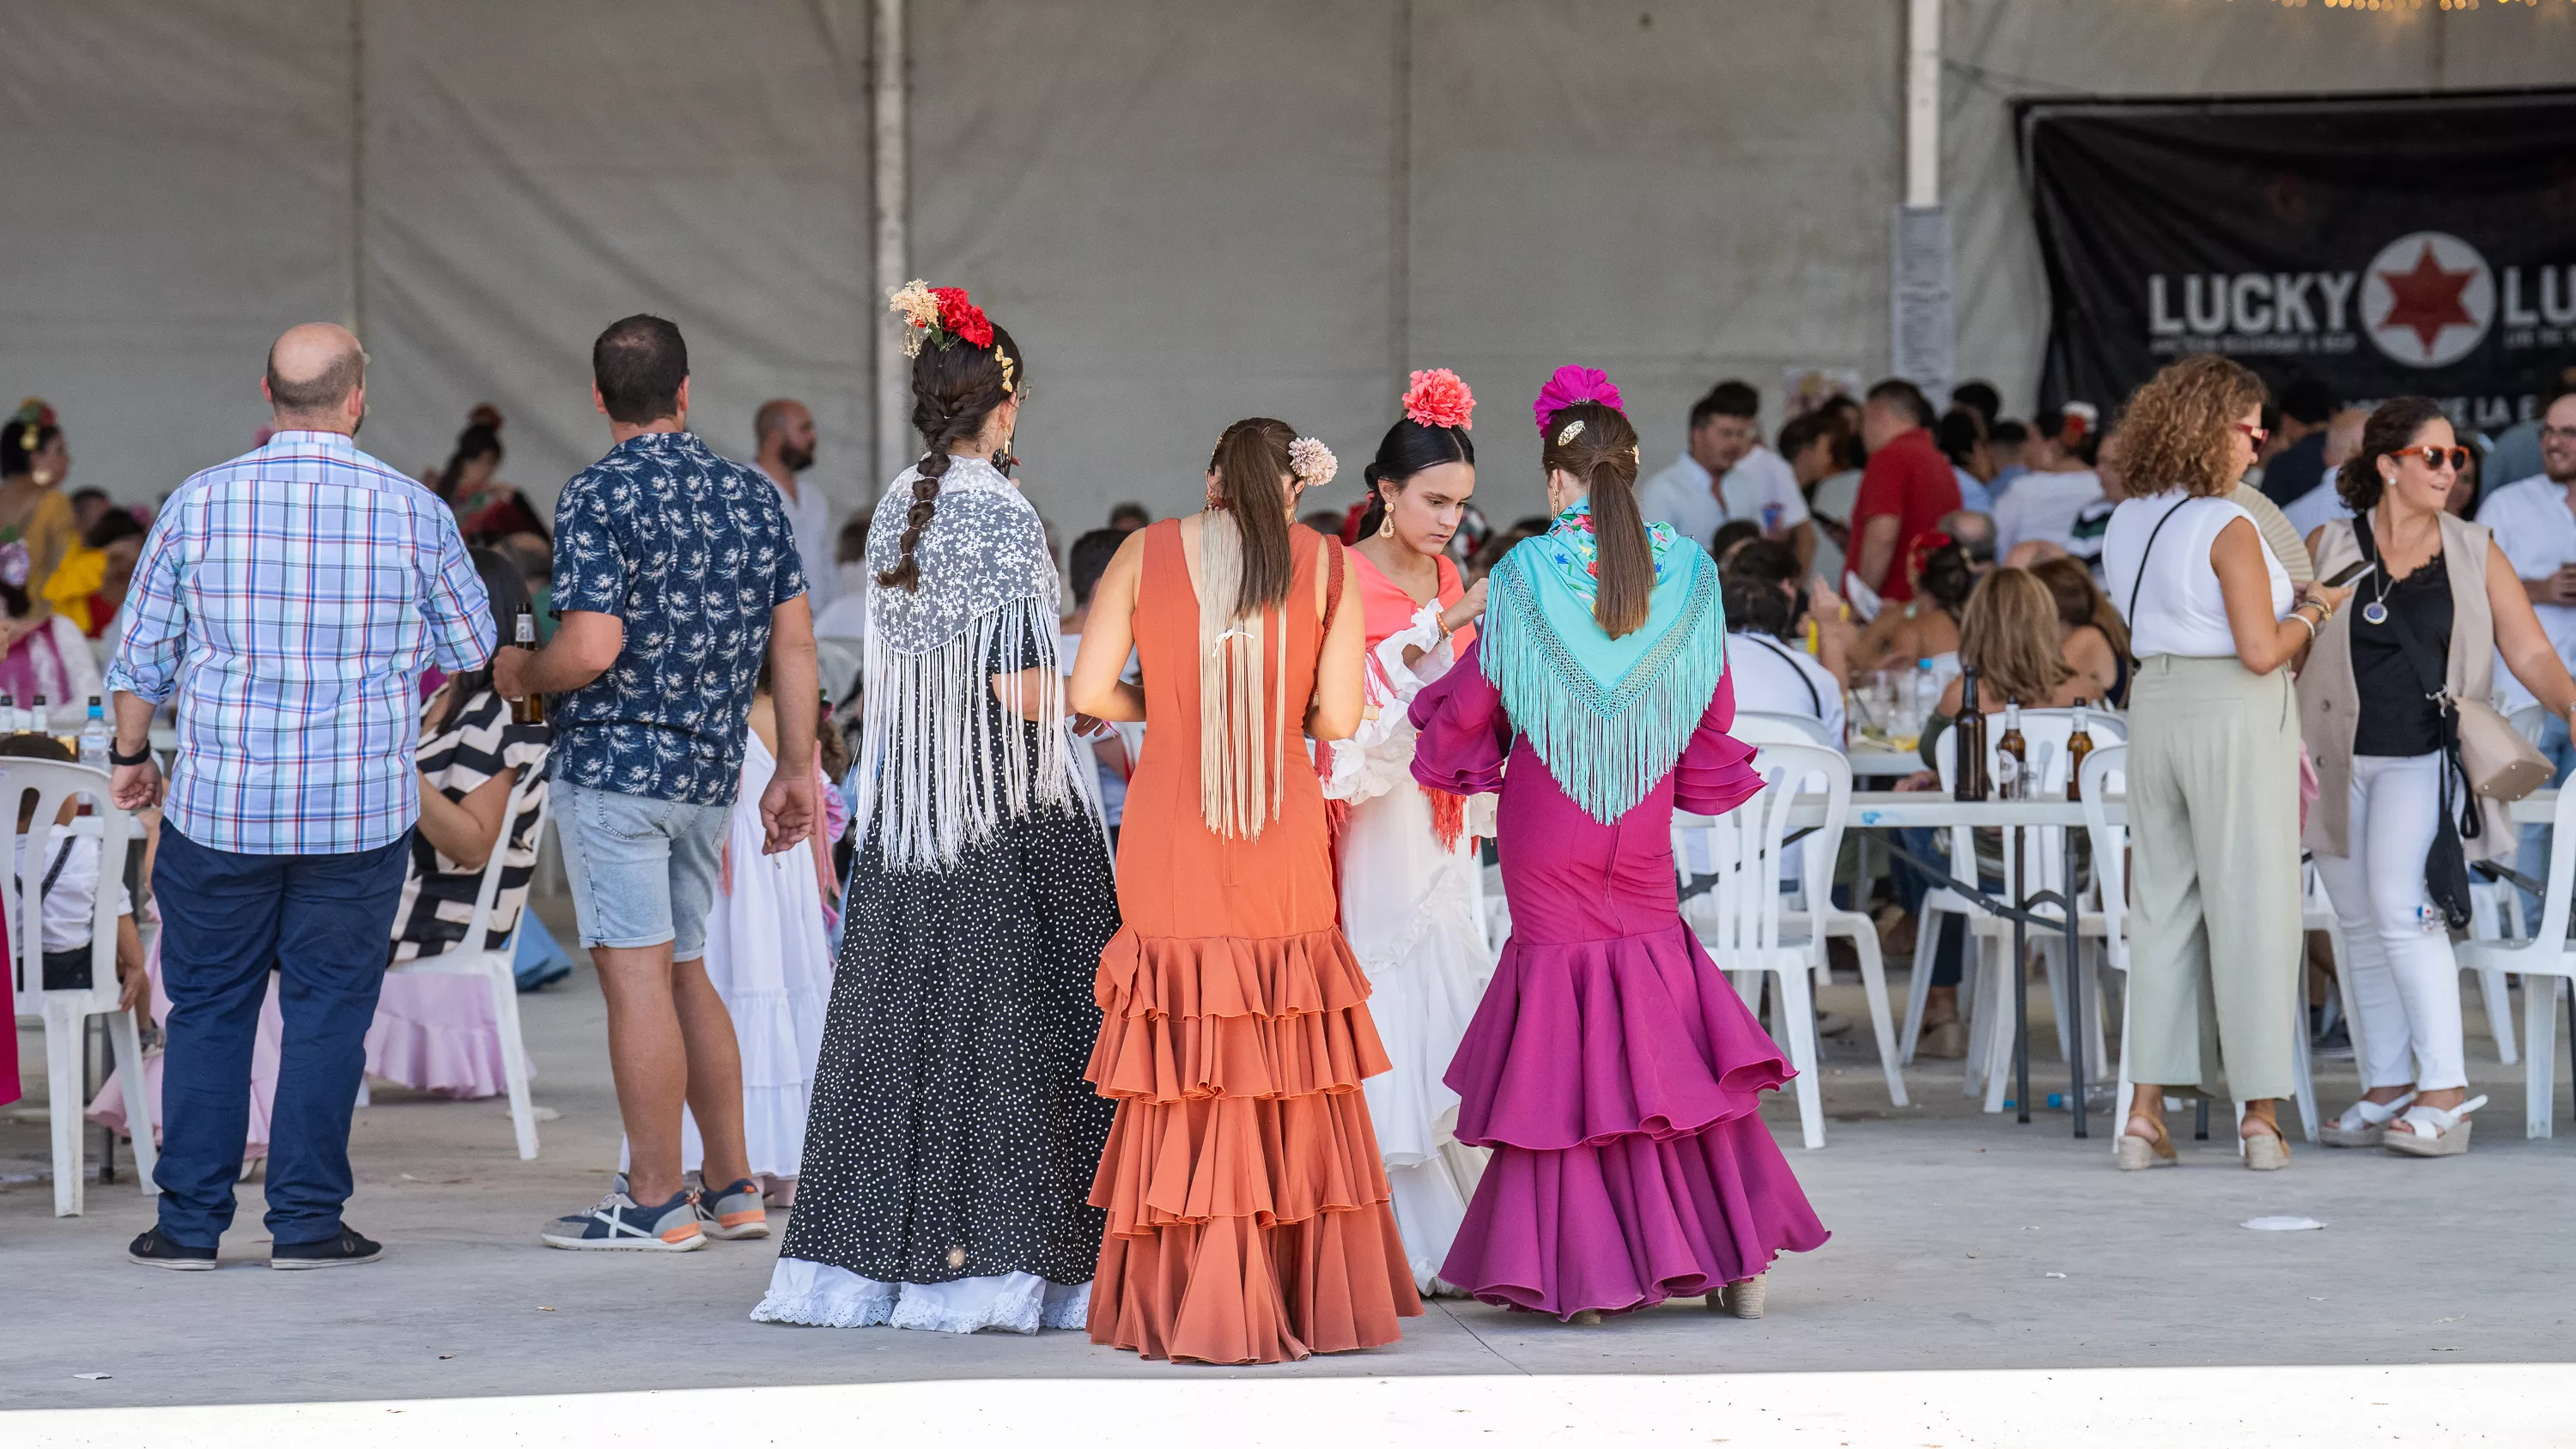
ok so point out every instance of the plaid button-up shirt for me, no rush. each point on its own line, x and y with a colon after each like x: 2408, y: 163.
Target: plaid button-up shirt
x: 292, y: 598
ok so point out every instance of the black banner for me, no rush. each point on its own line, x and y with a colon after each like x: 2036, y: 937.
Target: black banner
x: 2384, y: 244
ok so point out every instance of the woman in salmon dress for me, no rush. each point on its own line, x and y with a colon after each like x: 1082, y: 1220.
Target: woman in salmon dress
x: 1611, y: 1068
x: 1410, y: 880
x: 1247, y: 1211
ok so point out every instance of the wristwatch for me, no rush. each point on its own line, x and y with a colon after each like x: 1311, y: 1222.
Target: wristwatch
x: 144, y: 757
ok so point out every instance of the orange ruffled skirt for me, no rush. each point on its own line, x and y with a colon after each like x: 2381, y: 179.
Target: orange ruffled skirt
x: 1247, y: 1209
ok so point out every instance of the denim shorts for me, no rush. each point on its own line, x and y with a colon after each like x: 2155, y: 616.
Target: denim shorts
x: 643, y: 871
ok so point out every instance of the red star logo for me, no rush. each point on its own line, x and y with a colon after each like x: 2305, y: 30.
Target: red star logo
x: 2427, y: 299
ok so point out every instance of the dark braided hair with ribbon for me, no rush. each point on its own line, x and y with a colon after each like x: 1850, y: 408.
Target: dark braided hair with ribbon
x: 955, y: 387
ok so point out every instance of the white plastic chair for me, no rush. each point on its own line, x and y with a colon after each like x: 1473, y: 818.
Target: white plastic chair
x: 2495, y: 914
x: 2040, y: 851
x: 837, y: 661
x: 2542, y: 962
x: 1809, y: 913
x: 1738, y: 918
x: 38, y: 789
x: 1770, y: 727
x: 2106, y: 775
x: 495, y: 964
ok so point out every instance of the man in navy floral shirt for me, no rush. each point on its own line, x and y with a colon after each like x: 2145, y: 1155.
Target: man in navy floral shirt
x: 675, y: 575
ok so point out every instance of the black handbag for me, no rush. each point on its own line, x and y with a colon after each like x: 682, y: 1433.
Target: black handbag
x: 2446, y: 864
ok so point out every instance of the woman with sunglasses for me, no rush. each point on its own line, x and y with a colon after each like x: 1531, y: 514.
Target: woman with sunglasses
x: 2441, y: 590
x: 2213, y: 760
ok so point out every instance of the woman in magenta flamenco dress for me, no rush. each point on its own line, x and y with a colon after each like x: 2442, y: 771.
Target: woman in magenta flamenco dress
x: 1611, y: 1068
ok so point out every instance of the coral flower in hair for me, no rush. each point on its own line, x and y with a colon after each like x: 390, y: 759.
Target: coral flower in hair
x: 1573, y: 385
x: 1439, y: 399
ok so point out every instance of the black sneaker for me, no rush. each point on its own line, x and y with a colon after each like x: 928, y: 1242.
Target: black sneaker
x: 155, y: 1251
x: 346, y: 1250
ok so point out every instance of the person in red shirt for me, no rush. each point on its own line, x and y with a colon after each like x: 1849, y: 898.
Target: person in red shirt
x: 1904, y: 491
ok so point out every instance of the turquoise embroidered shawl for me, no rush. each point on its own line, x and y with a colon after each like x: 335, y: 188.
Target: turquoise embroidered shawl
x: 1609, y: 717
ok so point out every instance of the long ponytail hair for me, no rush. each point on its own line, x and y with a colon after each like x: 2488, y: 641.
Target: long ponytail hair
x: 955, y: 387
x: 1603, y: 453
x: 1252, y: 469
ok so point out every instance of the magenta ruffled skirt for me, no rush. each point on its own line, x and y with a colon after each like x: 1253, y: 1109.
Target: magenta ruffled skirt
x: 1617, y: 1083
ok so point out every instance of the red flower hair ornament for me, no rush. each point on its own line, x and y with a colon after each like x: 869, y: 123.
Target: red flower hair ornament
x: 938, y: 314
x: 1439, y: 399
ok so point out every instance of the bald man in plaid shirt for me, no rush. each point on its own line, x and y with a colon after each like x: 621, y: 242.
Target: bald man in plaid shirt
x: 306, y: 587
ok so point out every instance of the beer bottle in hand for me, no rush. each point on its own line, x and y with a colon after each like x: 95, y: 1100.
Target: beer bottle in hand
x: 523, y: 632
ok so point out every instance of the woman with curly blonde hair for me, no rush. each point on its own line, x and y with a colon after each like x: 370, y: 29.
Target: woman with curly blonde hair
x: 2213, y: 760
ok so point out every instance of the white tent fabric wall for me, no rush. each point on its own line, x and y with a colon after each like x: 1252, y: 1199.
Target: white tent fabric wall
x: 176, y: 195
x: 1186, y: 212
x: 536, y: 170
x: 1180, y: 210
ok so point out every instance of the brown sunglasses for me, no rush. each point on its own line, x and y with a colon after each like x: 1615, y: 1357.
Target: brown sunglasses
x: 2435, y: 455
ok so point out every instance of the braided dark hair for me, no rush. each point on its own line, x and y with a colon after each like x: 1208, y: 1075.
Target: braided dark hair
x: 954, y: 389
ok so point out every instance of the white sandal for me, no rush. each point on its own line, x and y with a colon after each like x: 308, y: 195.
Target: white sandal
x: 2363, y: 1124
x: 2435, y: 1131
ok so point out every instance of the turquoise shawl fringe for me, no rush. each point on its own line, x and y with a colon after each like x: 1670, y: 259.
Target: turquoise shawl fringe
x: 1609, y: 717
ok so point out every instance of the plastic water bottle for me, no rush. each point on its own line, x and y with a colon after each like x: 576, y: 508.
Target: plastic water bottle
x: 39, y: 718
x: 10, y: 723
x: 94, y: 737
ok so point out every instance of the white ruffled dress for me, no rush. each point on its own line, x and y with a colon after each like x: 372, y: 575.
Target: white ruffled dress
x: 1414, y: 914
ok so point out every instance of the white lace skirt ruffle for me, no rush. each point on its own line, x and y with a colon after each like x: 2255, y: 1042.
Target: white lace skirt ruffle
x: 827, y: 1297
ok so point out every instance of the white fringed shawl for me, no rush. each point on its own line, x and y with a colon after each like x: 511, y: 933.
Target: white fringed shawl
x: 935, y: 774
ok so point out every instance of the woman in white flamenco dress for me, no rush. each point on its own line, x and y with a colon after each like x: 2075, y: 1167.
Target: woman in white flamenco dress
x: 1410, y: 877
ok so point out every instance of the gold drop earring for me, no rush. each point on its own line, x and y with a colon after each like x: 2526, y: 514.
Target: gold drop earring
x: 1386, y: 517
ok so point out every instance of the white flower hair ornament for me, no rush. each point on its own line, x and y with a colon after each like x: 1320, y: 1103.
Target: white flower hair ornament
x: 1312, y: 462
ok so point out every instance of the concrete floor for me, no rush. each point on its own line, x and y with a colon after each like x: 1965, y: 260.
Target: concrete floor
x: 1951, y: 1233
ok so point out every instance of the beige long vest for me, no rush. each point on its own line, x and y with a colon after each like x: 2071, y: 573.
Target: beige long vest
x: 2329, y: 701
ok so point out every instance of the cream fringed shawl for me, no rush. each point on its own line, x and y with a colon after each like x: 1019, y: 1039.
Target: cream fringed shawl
x: 1239, y: 772
x: 939, y: 764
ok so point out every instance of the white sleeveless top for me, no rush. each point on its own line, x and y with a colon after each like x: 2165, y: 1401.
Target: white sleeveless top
x: 2179, y: 607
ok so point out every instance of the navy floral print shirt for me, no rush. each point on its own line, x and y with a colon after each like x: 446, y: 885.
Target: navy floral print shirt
x: 692, y: 551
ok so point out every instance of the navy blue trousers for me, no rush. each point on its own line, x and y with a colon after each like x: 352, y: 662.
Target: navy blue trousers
x: 325, y: 924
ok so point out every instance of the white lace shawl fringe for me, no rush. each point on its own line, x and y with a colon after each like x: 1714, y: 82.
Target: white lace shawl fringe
x: 935, y: 774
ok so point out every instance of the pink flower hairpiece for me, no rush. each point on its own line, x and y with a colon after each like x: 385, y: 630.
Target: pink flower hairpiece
x: 1573, y: 385
x: 1439, y: 399
x: 1313, y: 464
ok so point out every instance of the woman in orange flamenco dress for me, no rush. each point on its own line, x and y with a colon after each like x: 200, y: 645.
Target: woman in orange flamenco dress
x: 1248, y: 1219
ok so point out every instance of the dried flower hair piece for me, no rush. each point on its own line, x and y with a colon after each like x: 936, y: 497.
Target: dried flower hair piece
x: 1439, y: 398
x: 944, y: 315
x: 1312, y: 462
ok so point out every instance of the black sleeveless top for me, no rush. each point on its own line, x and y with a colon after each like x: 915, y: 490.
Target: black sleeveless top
x: 2395, y: 718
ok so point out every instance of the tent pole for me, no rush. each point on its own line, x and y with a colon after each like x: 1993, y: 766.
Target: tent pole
x: 354, y: 303
x: 893, y: 250
x: 1923, y: 103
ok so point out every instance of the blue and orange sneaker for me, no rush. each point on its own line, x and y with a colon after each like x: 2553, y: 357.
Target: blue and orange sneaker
x: 620, y: 1223
x: 738, y: 1211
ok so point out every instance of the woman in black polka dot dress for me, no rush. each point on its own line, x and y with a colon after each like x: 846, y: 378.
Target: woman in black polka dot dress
x: 952, y: 1137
